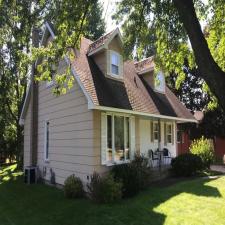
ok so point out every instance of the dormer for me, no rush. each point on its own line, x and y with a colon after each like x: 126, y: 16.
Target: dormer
x: 146, y: 70
x: 107, y: 53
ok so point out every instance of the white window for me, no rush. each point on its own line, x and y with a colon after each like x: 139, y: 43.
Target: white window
x: 155, y: 131
x: 115, y: 61
x: 169, y: 132
x: 160, y: 82
x: 46, y: 144
x: 118, y: 138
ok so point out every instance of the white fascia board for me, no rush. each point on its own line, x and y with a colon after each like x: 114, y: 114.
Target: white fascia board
x: 111, y: 109
x: 21, y: 120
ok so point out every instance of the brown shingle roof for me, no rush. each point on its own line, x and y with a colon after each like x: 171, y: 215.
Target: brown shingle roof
x: 144, y: 65
x: 133, y: 94
x: 99, y: 42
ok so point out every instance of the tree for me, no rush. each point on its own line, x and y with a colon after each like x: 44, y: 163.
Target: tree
x: 17, y: 20
x: 172, y: 24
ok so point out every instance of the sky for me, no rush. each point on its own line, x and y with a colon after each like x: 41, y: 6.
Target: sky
x: 109, y: 7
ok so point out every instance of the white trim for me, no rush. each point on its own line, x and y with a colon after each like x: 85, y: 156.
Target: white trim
x: 171, y: 134
x: 158, y: 134
x: 21, y: 120
x: 128, y: 111
x: 114, y: 162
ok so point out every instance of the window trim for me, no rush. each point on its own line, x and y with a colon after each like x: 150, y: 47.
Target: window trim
x: 114, y: 162
x: 46, y: 148
x: 164, y: 83
x: 110, y: 73
x: 171, y: 134
x: 154, y: 131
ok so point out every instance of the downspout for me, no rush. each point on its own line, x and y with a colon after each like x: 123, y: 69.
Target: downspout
x: 34, y: 104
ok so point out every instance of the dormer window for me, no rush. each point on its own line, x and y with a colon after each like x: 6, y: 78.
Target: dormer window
x: 115, y: 59
x: 115, y: 64
x: 160, y: 82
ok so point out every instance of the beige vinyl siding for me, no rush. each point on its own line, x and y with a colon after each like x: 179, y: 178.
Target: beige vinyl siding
x: 71, y: 140
x: 27, y: 127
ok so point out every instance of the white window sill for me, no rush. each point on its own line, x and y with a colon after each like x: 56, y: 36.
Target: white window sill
x: 115, y: 77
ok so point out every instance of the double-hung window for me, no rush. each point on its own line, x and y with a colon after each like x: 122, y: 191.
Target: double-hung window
x: 155, y: 131
x: 46, y: 144
x: 118, y: 138
x: 169, y: 132
x: 115, y: 61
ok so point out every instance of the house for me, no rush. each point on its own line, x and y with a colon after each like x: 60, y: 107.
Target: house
x: 114, y: 109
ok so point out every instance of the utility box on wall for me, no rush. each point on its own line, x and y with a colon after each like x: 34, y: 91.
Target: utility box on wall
x: 30, y: 175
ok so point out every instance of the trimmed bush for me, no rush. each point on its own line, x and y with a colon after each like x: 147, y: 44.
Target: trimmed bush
x: 73, y: 187
x: 186, y: 164
x: 104, y: 189
x: 135, y: 176
x: 204, y: 149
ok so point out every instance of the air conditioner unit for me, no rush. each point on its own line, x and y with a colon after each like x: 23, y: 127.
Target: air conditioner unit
x: 30, y: 174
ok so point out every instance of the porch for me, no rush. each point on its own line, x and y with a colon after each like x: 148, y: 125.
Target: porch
x: 157, y: 139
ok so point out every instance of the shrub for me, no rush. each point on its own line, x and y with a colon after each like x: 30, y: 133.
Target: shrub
x: 73, y: 187
x: 104, y: 189
x: 204, y: 149
x: 186, y: 164
x: 134, y: 175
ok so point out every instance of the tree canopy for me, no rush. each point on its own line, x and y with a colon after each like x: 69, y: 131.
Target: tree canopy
x: 171, y: 30
x: 72, y: 19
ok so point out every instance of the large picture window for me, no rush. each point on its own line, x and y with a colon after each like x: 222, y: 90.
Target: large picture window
x: 118, y: 138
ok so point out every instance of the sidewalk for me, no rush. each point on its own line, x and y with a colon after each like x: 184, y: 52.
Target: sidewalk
x: 219, y: 168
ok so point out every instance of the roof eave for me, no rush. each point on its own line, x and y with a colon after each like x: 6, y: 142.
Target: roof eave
x: 111, y: 109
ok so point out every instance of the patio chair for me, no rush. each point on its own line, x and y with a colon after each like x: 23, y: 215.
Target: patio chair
x: 153, y: 158
x: 166, y: 156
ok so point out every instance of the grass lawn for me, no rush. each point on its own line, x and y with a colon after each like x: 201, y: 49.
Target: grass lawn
x: 198, y: 201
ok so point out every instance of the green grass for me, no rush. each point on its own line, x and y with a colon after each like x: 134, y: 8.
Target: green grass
x: 198, y: 201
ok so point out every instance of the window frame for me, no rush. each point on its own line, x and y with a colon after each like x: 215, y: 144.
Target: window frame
x: 154, y: 131
x: 46, y: 141
x: 169, y: 134
x: 119, y: 75
x: 163, y: 89
x: 113, y: 161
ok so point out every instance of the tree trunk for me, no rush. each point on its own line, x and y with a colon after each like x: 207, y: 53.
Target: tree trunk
x: 208, y: 68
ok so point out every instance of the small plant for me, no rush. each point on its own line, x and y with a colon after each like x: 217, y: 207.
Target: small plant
x: 73, y: 187
x: 186, y: 164
x: 104, y: 189
x: 204, y: 149
x: 135, y: 176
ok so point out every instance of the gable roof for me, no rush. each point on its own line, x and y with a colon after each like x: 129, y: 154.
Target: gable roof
x: 103, y: 41
x: 133, y: 95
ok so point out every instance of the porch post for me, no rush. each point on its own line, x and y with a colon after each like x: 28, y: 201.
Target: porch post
x: 159, y: 138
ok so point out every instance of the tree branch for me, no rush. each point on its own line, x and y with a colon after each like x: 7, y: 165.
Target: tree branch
x: 208, y: 68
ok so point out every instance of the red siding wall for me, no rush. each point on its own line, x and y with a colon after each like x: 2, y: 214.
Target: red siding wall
x: 219, y: 145
x: 184, y: 146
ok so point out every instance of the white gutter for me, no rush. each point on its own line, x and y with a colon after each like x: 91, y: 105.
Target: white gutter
x: 105, y: 108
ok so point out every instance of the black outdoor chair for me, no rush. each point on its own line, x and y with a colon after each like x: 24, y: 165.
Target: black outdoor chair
x: 153, y: 157
x: 166, y: 156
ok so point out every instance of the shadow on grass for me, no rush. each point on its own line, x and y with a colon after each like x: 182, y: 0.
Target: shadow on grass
x: 40, y: 204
